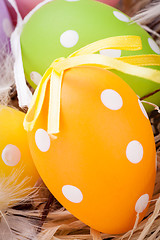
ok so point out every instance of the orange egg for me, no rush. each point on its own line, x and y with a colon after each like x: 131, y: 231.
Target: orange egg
x: 101, y: 166
x: 14, y: 149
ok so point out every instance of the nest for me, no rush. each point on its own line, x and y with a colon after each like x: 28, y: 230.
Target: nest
x: 39, y: 215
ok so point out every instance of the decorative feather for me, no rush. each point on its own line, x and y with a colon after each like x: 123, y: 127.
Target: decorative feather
x: 12, y: 193
x: 6, y: 75
x: 149, y: 19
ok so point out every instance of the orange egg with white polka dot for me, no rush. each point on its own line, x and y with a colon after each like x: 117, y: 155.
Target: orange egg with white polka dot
x: 101, y: 166
x: 14, y: 149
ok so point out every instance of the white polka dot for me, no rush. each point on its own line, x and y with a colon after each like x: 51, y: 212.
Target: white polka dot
x: 69, y: 38
x: 111, y: 53
x: 11, y: 155
x: 7, y: 27
x: 42, y: 140
x: 35, y: 77
x: 142, y: 203
x: 134, y: 152
x: 73, y: 194
x: 143, y: 109
x: 121, y: 16
x: 153, y: 45
x: 111, y: 99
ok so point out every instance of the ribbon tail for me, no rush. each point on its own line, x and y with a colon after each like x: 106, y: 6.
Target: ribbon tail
x: 142, y: 60
x: 37, y: 102
x: 54, y: 102
x: 23, y: 92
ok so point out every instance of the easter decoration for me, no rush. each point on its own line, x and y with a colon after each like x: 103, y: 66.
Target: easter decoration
x: 43, y: 40
x: 88, y: 130
x: 82, y: 107
x: 91, y: 104
x: 18, y: 174
x: 14, y: 147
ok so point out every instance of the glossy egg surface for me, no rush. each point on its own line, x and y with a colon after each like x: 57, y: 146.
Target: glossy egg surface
x: 14, y: 148
x: 101, y: 166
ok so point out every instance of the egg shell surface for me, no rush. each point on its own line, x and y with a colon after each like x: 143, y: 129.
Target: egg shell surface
x: 6, y: 26
x: 14, y: 148
x: 61, y: 27
x: 101, y: 165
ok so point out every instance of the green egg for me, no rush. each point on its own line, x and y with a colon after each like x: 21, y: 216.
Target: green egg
x: 61, y: 27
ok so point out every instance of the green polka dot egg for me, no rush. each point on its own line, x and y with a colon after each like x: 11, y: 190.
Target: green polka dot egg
x: 61, y: 27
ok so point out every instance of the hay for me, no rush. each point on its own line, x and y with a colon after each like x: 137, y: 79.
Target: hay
x: 39, y: 216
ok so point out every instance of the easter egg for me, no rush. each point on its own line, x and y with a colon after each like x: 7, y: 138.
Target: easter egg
x: 14, y: 149
x: 6, y: 26
x: 61, y: 27
x: 101, y: 166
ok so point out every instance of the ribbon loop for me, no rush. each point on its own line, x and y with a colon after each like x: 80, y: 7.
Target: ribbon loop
x: 131, y: 43
x: 84, y: 56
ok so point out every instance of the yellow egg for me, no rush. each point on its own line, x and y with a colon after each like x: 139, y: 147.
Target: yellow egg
x: 14, y: 149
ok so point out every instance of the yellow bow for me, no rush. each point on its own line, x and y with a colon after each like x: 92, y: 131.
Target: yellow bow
x: 87, y: 56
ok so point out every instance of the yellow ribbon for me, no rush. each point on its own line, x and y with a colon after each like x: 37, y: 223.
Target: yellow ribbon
x: 87, y: 56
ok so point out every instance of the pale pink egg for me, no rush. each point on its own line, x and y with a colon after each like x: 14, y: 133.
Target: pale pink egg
x: 109, y: 2
x: 25, y: 6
